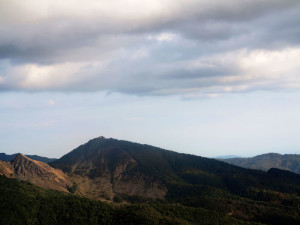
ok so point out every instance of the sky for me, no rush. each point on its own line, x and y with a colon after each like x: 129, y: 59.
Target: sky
x: 208, y: 78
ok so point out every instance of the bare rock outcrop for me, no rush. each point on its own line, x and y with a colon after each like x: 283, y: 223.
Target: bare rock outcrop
x: 36, y: 172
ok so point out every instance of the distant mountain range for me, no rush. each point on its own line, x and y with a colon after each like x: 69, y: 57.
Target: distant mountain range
x: 8, y: 158
x: 226, y: 157
x: 265, y: 162
x: 167, y: 183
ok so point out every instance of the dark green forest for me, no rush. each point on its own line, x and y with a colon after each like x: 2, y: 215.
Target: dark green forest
x: 23, y: 203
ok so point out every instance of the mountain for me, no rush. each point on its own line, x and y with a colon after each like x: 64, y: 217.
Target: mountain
x: 143, y: 184
x: 103, y: 168
x: 41, y: 158
x: 265, y: 162
x: 8, y: 158
x: 107, y: 168
x: 36, y: 172
x: 226, y: 157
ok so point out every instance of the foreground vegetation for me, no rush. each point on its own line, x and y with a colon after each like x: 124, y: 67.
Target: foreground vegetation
x: 23, y: 203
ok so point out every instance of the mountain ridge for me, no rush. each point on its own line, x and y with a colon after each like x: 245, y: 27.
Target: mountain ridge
x: 8, y: 158
x: 121, y: 167
x: 267, y: 161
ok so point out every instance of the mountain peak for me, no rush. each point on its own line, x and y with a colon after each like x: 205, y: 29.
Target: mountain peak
x: 22, y: 162
x: 21, y: 156
x: 36, y: 172
x: 112, y: 167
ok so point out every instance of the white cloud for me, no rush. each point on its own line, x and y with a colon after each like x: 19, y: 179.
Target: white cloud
x: 270, y: 69
x: 163, y: 37
x: 43, y: 77
x: 49, y: 77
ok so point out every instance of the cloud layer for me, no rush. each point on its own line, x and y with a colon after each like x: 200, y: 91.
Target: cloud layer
x: 191, y: 48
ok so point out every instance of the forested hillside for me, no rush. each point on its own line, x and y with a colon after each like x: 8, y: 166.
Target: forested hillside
x: 143, y: 184
x: 24, y: 203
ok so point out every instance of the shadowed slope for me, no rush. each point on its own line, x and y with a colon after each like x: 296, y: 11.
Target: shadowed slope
x: 122, y: 167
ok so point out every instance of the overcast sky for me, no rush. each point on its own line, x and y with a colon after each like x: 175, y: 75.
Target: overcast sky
x: 203, y: 77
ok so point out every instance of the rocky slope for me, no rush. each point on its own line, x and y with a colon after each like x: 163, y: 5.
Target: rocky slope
x: 36, y: 172
x: 6, y: 169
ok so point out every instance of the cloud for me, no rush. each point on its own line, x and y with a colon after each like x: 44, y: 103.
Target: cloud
x: 235, y: 71
x: 51, y: 102
x: 187, y: 48
x: 163, y: 37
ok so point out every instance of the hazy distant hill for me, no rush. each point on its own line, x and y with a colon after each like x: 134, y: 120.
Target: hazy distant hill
x: 8, y: 158
x: 226, y: 157
x: 266, y: 161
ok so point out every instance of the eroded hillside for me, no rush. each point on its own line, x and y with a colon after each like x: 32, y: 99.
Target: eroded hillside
x: 38, y: 173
